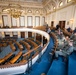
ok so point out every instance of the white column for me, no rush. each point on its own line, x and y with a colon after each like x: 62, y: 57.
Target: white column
x: 34, y: 36
x: 25, y: 21
x: 56, y: 21
x: 11, y: 35
x: 26, y: 34
x: 74, y: 18
x: 33, y: 21
x: 41, y: 21
x: 9, y: 21
x: 3, y: 35
x: 19, y: 35
x: 1, y: 23
x: 18, y: 25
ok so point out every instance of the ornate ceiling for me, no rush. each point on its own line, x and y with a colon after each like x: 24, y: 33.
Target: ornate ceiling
x: 48, y: 5
x: 33, y: 3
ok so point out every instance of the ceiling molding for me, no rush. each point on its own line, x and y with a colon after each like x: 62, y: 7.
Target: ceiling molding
x: 23, y: 4
x: 61, y: 8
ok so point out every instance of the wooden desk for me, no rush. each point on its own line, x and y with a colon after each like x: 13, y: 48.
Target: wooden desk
x: 15, y: 58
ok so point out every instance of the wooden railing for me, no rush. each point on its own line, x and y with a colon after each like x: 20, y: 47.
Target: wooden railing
x: 66, y: 32
x: 55, y: 42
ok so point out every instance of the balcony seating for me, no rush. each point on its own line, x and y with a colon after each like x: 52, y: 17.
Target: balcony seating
x: 3, y: 60
x: 13, y: 60
x: 12, y: 47
x: 30, y: 41
x: 19, y: 45
x: 38, y: 42
x: 26, y: 45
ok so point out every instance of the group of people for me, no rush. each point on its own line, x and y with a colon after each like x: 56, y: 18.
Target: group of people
x: 66, y: 44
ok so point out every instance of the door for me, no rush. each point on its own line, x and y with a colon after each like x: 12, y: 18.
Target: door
x: 62, y: 24
x: 29, y: 34
x: 22, y: 34
x: 52, y: 23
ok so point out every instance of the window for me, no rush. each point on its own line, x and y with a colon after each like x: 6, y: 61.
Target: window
x: 29, y: 11
x: 37, y: 20
x: 14, y: 22
x: 22, y: 21
x: 43, y: 20
x: 15, y: 33
x: 29, y: 21
x: 5, y: 20
x: 61, y: 3
x: 37, y: 11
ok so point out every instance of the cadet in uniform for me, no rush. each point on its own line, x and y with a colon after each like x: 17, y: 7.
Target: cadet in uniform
x: 65, y: 51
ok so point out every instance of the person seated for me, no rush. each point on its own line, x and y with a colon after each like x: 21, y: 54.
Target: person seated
x: 74, y: 41
x: 65, y: 51
x: 66, y: 41
x: 74, y: 46
x: 62, y: 42
x: 59, y: 32
x: 73, y: 36
x: 62, y: 37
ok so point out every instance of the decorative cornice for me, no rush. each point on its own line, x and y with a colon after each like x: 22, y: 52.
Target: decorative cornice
x: 69, y: 4
x: 23, y: 4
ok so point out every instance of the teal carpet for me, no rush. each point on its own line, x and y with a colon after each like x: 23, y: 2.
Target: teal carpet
x: 72, y: 64
x: 58, y: 67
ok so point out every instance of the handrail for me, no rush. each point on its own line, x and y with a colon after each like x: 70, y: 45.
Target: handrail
x: 56, y: 44
x: 43, y: 33
x: 30, y: 51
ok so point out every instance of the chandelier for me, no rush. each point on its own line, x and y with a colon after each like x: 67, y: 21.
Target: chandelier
x: 14, y: 10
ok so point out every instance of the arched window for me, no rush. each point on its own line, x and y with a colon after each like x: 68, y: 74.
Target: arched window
x: 37, y: 11
x: 29, y: 11
x: 69, y: 1
x: 61, y: 3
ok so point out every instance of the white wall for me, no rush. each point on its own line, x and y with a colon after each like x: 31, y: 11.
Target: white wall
x: 34, y: 12
x: 68, y: 13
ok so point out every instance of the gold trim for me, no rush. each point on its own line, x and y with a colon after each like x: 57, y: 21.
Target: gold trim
x: 60, y: 8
